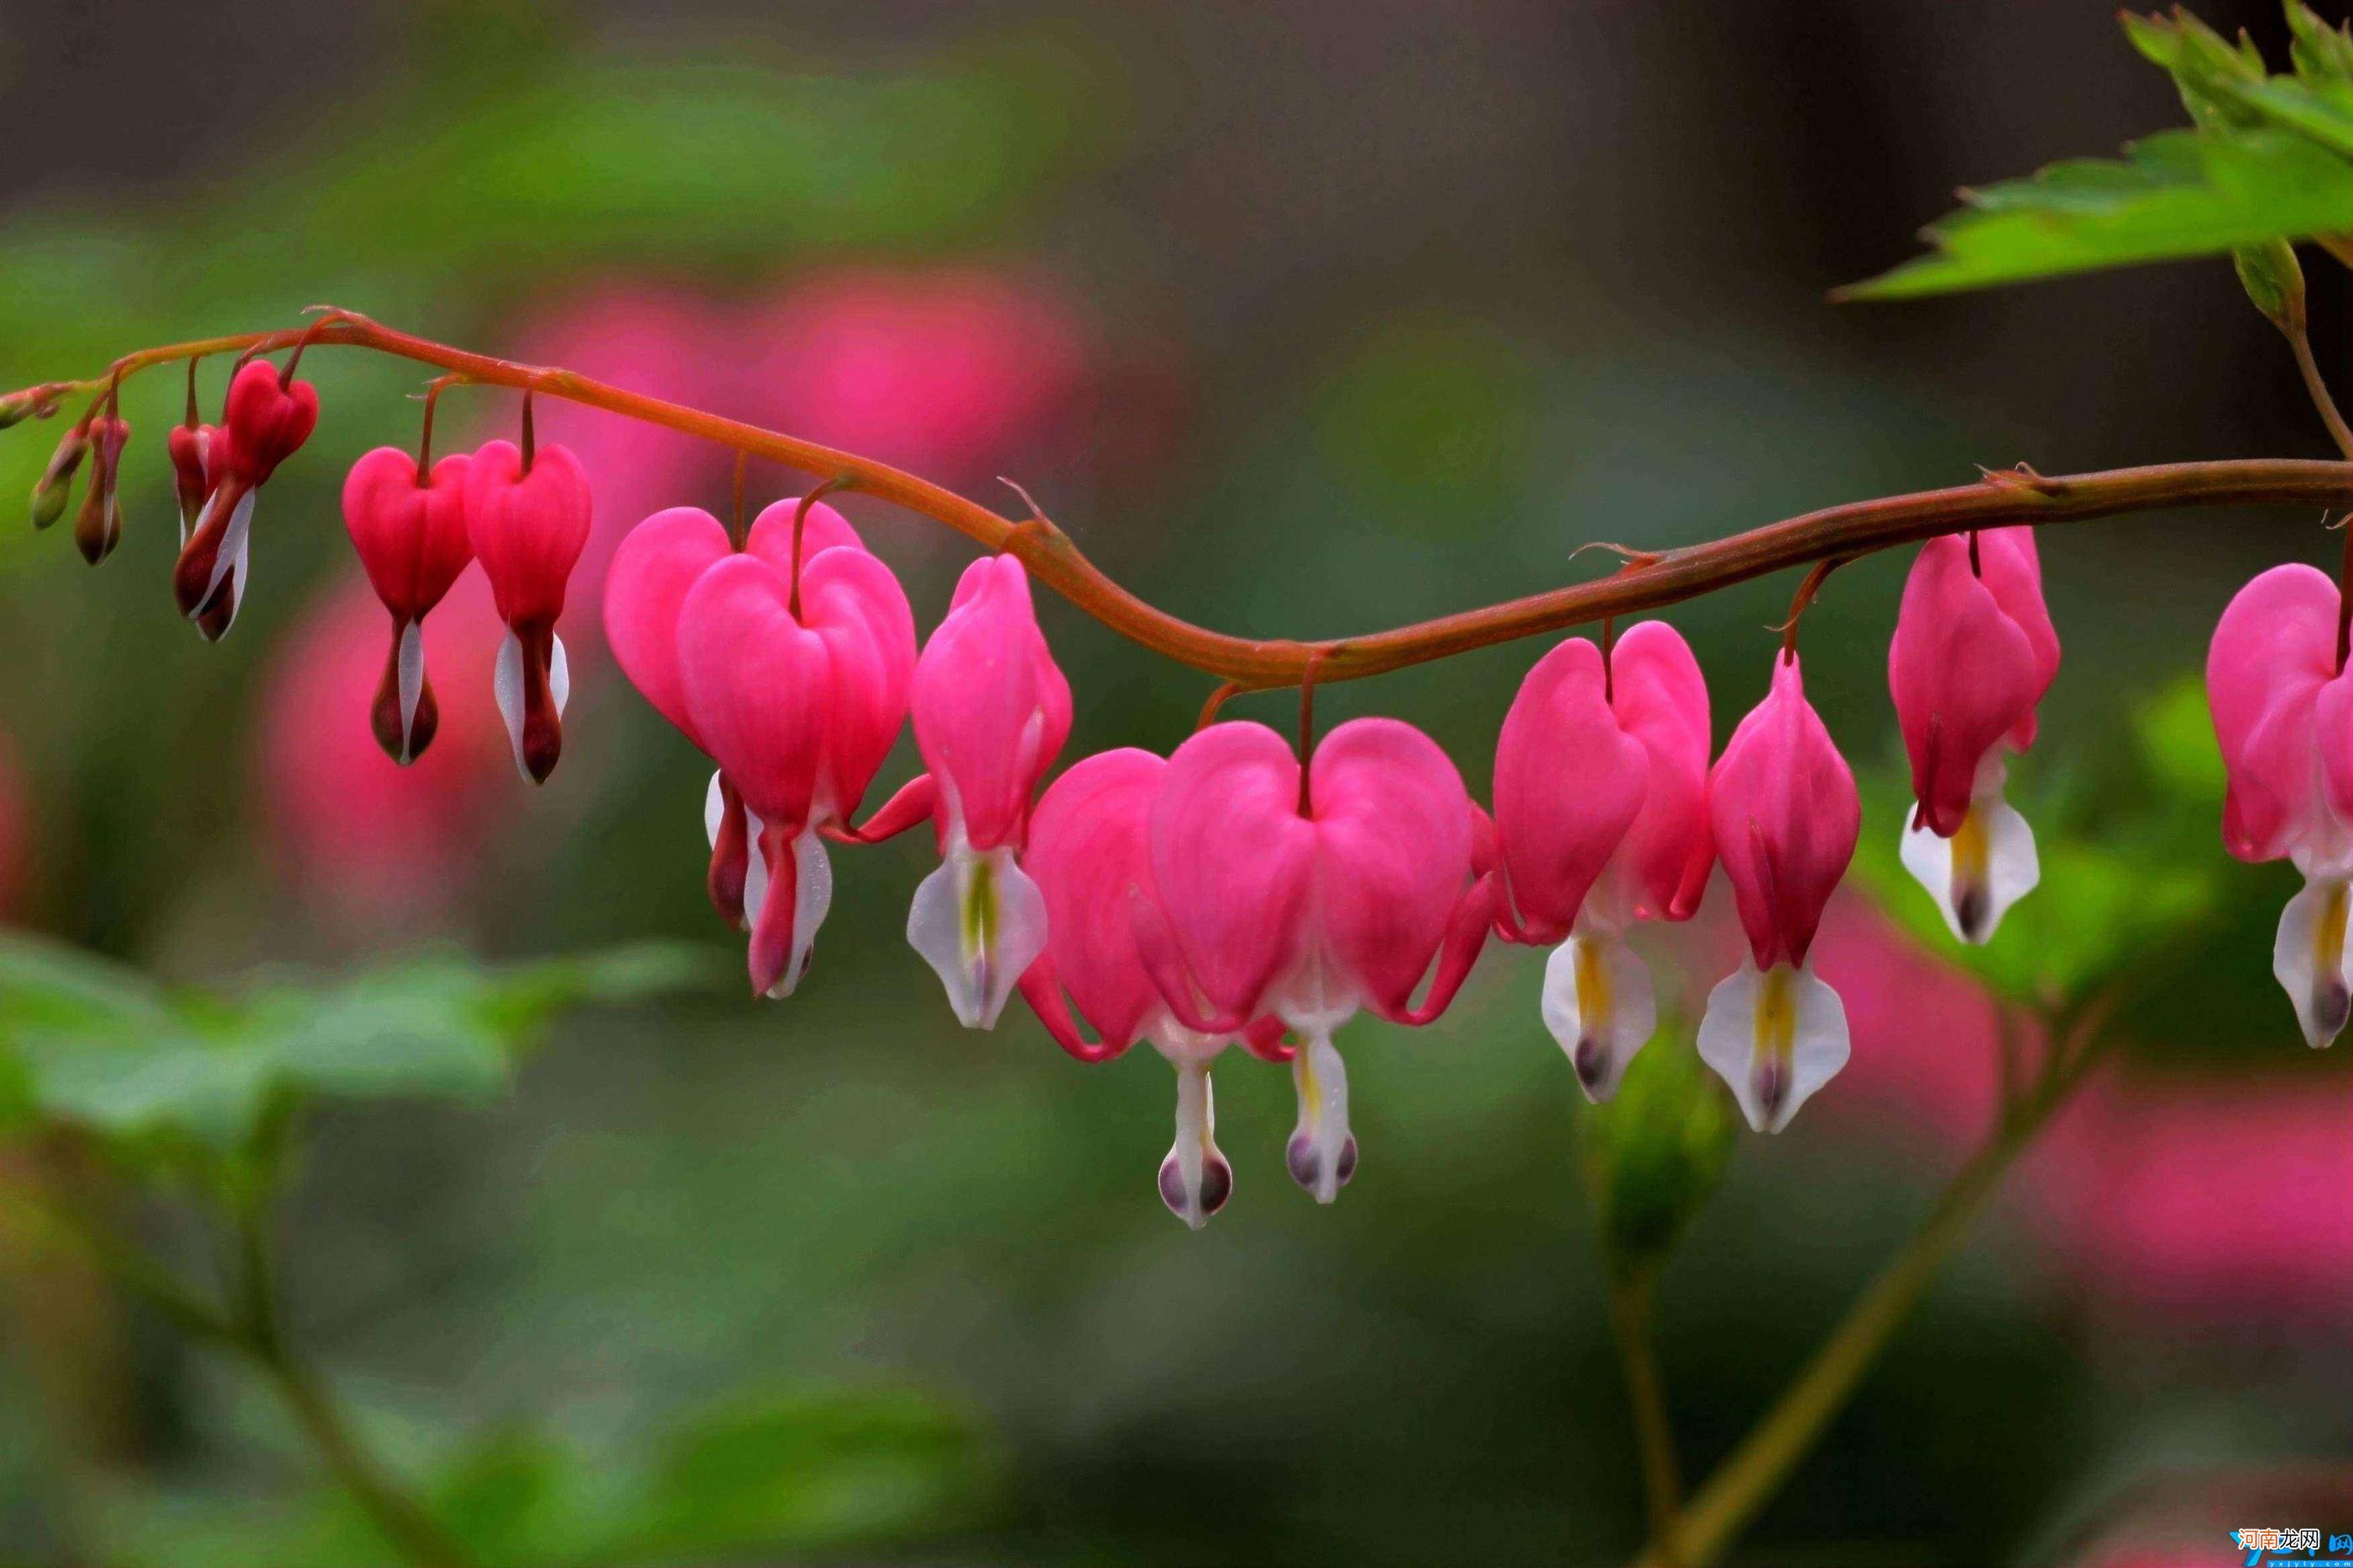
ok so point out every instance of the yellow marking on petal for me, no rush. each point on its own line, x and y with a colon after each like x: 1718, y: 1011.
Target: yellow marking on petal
x: 1311, y: 1093
x: 2328, y: 931
x: 1972, y: 852
x: 1777, y: 1015
x: 980, y: 909
x: 1593, y: 998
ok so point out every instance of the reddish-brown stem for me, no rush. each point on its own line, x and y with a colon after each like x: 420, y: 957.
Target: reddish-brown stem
x: 424, y: 435
x: 195, y: 416
x: 1307, y: 728
x: 1650, y: 583
x: 1608, y: 646
x: 737, y: 531
x: 800, y: 522
x: 1209, y: 708
x: 1804, y: 598
x: 530, y: 433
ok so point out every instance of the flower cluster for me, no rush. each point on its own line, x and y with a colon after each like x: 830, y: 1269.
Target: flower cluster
x: 1239, y: 891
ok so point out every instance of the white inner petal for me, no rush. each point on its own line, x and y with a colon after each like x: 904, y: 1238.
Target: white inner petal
x: 1775, y: 1037
x: 1600, y: 1006
x: 714, y: 810
x: 559, y: 674
x: 979, y: 921
x: 1322, y: 1154
x: 1978, y: 873
x: 756, y: 870
x: 812, y: 898
x: 2311, y: 961
x: 412, y: 683
x: 506, y: 684
x: 231, y: 554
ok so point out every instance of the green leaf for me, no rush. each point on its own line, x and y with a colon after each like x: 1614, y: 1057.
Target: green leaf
x: 857, y: 1466
x: 2180, y: 193
x: 202, y: 1077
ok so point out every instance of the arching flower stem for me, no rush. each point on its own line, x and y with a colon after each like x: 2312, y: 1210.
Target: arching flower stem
x: 1668, y: 577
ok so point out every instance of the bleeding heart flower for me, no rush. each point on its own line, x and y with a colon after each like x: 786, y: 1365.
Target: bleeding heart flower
x: 651, y: 572
x: 1306, y: 904
x: 410, y: 528
x: 1973, y: 652
x: 991, y: 712
x: 528, y: 522
x: 269, y: 416
x: 2284, y: 715
x: 1090, y: 850
x: 1785, y: 815
x: 796, y: 697
x: 1601, y: 820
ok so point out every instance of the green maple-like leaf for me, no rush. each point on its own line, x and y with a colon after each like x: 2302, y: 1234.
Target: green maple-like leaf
x: 2179, y: 194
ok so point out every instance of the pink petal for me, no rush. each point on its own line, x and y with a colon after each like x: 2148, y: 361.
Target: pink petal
x: 411, y: 537
x: 991, y: 709
x: 1660, y: 700
x: 1964, y: 674
x: 1089, y: 845
x: 2014, y: 575
x: 771, y: 534
x: 2273, y: 651
x: 855, y: 607
x: 528, y: 529
x: 1233, y: 858
x: 1568, y: 783
x: 1393, y: 828
x: 756, y: 688
x: 647, y: 582
x: 1785, y: 815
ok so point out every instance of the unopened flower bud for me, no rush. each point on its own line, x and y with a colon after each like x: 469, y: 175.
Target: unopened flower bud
x: 98, y: 527
x: 195, y: 463
x: 2274, y: 282
x: 19, y: 406
x: 57, y: 480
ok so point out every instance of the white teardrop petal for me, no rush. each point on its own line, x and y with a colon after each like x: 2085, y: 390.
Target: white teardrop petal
x: 812, y: 899
x: 1976, y: 874
x: 412, y: 683
x: 1600, y: 1006
x: 230, y: 557
x: 2309, y: 959
x: 756, y: 870
x: 979, y: 921
x: 1775, y: 1037
x: 506, y: 684
x: 714, y: 811
x: 559, y: 673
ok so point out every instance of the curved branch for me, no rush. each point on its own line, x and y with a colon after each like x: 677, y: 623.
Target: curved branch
x: 1652, y: 582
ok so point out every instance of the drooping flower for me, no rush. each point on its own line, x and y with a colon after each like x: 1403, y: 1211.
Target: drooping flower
x: 991, y: 711
x: 527, y: 522
x: 1090, y: 850
x: 1785, y: 815
x: 1307, y: 904
x: 410, y: 528
x: 1973, y: 652
x: 198, y: 451
x: 268, y: 417
x: 1601, y: 820
x: 98, y: 527
x: 652, y: 571
x: 2284, y: 715
x: 797, y: 697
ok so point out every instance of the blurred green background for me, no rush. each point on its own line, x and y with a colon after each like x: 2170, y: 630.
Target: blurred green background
x: 1302, y: 320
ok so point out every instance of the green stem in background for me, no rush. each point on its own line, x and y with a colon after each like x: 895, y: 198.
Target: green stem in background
x: 1756, y: 1470
x: 1632, y: 1292
x: 254, y: 1334
x: 404, y: 1522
